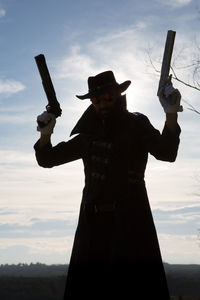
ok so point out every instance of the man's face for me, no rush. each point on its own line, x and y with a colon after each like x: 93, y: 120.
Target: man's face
x: 105, y: 104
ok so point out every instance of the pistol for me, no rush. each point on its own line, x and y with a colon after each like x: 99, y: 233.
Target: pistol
x: 165, y: 69
x: 53, y: 105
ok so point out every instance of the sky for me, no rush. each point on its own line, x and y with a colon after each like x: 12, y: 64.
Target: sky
x: 39, y: 207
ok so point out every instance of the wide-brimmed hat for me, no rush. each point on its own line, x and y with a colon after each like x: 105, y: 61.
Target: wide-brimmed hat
x: 102, y: 83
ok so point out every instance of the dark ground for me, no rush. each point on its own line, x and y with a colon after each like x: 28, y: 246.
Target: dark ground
x: 42, y: 282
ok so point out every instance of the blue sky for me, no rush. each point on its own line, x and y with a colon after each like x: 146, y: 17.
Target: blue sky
x: 39, y: 207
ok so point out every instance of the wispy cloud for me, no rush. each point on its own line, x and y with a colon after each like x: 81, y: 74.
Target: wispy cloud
x: 37, y: 228
x: 128, y: 60
x: 40, y: 204
x: 44, y: 249
x: 106, y: 52
x: 12, y: 157
x: 10, y: 86
x: 16, y: 115
x: 76, y: 66
x: 175, y: 3
x: 178, y: 221
x: 179, y: 249
x: 2, y: 12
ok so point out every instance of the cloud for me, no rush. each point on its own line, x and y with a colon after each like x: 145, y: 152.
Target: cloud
x: 179, y: 249
x: 76, y: 66
x: 10, y: 86
x: 48, y: 250
x: 182, y: 221
x: 5, y: 213
x: 17, y: 113
x: 2, y: 12
x: 38, y: 195
x: 12, y: 157
x: 128, y: 60
x: 30, y: 191
x: 38, y: 228
x: 175, y: 3
x: 108, y: 52
x: 13, y: 119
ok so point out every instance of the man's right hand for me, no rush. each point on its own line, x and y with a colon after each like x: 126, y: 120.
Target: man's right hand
x: 46, y: 122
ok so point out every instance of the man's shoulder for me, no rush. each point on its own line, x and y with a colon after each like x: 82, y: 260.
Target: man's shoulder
x: 138, y: 121
x: 137, y: 116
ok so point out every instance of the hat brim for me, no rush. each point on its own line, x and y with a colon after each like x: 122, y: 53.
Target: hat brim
x: 117, y: 87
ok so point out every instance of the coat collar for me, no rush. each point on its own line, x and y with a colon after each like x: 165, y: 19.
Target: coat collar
x: 91, y: 123
x: 87, y: 122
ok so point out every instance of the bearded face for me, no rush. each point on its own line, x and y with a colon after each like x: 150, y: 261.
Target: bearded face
x: 107, y: 104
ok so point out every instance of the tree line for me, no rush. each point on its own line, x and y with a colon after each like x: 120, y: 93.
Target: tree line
x: 47, y: 282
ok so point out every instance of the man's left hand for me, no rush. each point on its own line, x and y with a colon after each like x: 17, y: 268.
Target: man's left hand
x: 170, y: 98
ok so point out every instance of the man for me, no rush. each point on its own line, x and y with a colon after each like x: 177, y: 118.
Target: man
x: 116, y: 253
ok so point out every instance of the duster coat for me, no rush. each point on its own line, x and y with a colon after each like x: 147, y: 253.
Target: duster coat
x: 116, y: 253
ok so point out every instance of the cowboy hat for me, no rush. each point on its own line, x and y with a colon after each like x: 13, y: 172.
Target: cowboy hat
x: 102, y: 83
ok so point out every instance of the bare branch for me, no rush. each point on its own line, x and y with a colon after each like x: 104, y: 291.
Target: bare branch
x: 183, y: 82
x: 194, y: 68
x: 152, y: 64
x: 174, y: 74
x: 191, y: 107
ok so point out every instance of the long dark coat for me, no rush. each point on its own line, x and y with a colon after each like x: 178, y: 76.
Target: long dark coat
x: 116, y: 253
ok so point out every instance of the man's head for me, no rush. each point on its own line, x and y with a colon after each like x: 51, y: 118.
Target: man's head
x: 105, y: 93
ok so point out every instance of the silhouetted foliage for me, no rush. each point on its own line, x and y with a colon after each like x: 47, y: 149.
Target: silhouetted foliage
x: 44, y: 282
x: 33, y: 270
x: 22, y: 288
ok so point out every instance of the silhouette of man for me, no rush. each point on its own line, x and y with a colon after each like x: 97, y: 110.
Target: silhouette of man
x: 115, y: 253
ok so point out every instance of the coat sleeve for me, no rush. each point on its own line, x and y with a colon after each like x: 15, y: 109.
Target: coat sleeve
x: 163, y: 146
x: 49, y: 156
